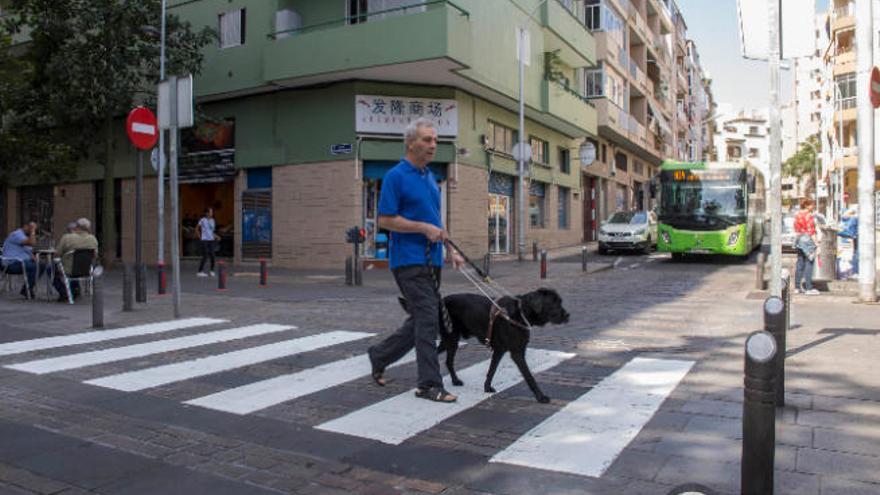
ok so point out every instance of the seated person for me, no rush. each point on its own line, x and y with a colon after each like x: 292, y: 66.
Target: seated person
x: 80, y: 238
x: 18, y: 255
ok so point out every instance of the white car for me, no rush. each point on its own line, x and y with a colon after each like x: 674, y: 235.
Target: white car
x: 630, y: 230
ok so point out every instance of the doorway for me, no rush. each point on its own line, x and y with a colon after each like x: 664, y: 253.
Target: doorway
x: 590, y: 211
x: 194, y: 199
x: 499, y: 224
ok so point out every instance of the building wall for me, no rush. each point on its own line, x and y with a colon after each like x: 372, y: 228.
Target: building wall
x: 71, y: 202
x: 12, y: 220
x: 312, y: 206
x: 150, y: 233
x: 467, y: 216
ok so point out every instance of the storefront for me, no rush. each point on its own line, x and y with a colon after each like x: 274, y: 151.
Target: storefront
x: 501, y: 187
x: 207, y: 180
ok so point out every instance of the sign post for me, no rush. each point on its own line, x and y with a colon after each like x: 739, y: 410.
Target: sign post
x: 143, y: 132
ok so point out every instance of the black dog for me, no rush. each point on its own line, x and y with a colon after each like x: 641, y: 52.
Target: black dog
x: 470, y: 315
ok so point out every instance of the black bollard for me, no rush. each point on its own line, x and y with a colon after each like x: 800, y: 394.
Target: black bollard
x: 163, y: 280
x: 487, y: 263
x: 349, y: 271
x: 141, y: 284
x: 774, y: 323
x: 759, y: 415
x: 264, y: 273
x: 221, y: 276
x: 98, y: 298
x: 127, y: 282
x: 786, y: 298
x: 534, y: 250
x: 358, y: 272
x: 759, y: 271
x: 584, y: 259
x: 543, y: 263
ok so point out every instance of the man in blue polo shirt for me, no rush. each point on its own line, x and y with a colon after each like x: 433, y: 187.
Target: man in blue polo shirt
x: 409, y: 206
x: 18, y: 255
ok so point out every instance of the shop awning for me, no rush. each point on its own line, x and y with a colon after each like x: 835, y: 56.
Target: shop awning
x: 658, y: 117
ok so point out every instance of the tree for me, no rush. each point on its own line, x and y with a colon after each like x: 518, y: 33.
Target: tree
x: 90, y: 62
x: 802, y: 164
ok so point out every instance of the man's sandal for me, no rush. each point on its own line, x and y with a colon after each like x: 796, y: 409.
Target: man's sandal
x: 376, y: 372
x: 436, y: 394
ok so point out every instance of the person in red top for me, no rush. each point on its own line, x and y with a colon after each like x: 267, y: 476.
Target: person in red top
x: 805, y: 229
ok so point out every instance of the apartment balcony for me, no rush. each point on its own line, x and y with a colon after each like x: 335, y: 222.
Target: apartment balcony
x: 439, y: 41
x: 638, y: 23
x: 638, y: 133
x: 566, y: 104
x: 622, y: 128
x: 563, y: 31
x: 845, y: 63
x: 681, y: 80
x: 847, y: 163
x: 637, y: 76
x: 846, y: 111
x: 609, y: 50
x: 612, y: 117
x: 844, y: 17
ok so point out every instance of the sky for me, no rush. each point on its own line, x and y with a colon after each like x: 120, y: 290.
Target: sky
x: 744, y: 84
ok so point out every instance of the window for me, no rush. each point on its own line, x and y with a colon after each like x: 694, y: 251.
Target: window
x: 594, y: 83
x: 564, y: 160
x: 734, y: 152
x: 598, y: 17
x: 753, y: 130
x: 232, y: 28
x: 846, y: 94
x: 604, y: 154
x: 363, y: 10
x: 501, y: 138
x: 540, y: 150
x: 754, y: 153
x: 536, y: 204
x: 620, y: 161
x: 564, y: 199
x: 787, y: 187
x: 637, y: 167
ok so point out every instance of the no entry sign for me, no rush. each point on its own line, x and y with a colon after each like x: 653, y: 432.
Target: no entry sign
x: 875, y: 87
x: 141, y: 128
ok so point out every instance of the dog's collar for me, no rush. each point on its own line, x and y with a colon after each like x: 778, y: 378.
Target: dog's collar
x: 495, y: 311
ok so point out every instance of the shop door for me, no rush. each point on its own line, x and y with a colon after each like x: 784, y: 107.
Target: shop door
x: 499, y: 224
x: 590, y: 213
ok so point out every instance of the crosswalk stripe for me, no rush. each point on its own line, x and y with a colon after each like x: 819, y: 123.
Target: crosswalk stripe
x: 71, y: 361
x: 396, y: 419
x: 22, y: 346
x: 170, y: 373
x: 260, y: 395
x: 590, y: 432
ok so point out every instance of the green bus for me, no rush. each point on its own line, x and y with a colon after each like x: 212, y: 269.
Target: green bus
x: 710, y: 208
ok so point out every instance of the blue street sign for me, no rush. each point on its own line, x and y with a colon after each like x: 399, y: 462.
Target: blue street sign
x: 340, y: 149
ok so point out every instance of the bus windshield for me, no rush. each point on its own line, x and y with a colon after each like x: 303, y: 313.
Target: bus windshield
x: 692, y: 203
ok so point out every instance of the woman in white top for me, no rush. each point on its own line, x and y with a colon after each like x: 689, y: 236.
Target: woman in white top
x: 208, y: 239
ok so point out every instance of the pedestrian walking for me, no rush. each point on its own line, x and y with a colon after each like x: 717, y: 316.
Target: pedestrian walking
x: 805, y: 242
x: 409, y: 207
x: 849, y: 223
x: 208, y: 240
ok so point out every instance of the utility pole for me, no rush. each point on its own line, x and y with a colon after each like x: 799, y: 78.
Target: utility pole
x: 161, y: 171
x: 775, y: 155
x: 867, y: 233
x: 175, y: 229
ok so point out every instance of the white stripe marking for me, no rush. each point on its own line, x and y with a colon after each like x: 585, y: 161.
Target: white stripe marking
x: 588, y: 434
x: 84, y: 359
x: 170, y: 373
x: 396, y: 419
x: 143, y: 128
x: 267, y: 393
x: 22, y: 346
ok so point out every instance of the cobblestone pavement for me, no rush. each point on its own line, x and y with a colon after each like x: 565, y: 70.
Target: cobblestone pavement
x: 60, y: 435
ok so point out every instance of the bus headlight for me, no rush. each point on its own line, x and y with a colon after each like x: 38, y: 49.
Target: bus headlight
x: 665, y: 236
x: 734, y: 236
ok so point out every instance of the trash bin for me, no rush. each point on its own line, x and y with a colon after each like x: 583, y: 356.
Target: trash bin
x: 826, y: 256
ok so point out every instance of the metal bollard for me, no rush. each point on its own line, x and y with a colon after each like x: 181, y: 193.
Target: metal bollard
x: 349, y: 271
x: 543, y: 263
x: 487, y: 264
x: 98, y: 298
x: 759, y: 271
x: 221, y: 276
x: 759, y: 415
x: 584, y: 259
x: 534, y: 250
x: 163, y: 280
x: 264, y: 273
x: 774, y: 323
x: 141, y: 284
x: 127, y: 281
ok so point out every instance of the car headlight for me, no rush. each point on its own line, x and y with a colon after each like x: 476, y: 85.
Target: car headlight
x: 665, y: 236
x: 734, y: 236
x: 602, y: 231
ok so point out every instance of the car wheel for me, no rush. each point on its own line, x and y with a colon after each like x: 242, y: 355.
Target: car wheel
x: 647, y: 249
x: 603, y: 251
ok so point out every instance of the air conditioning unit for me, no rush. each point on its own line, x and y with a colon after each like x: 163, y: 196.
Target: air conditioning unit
x: 286, y: 20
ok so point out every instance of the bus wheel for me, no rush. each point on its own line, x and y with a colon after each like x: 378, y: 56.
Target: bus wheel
x: 677, y: 256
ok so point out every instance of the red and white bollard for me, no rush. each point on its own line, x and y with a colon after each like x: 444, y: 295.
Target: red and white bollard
x: 163, y: 279
x: 221, y: 276
x: 264, y: 273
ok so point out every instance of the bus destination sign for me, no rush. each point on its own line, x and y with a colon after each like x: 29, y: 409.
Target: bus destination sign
x: 705, y: 175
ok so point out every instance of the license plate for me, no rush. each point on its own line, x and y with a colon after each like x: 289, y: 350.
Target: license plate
x: 701, y: 251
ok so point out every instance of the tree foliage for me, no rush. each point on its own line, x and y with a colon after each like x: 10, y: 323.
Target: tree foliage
x: 803, y: 162
x: 87, y: 62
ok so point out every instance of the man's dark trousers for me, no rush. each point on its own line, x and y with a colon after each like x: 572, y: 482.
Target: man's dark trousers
x: 420, y: 328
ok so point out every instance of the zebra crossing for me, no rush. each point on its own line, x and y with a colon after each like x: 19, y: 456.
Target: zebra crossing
x: 583, y: 438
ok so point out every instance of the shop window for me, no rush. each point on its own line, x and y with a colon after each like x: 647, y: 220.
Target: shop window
x: 256, y: 214
x: 536, y: 204
x: 232, y: 28
x: 564, y: 201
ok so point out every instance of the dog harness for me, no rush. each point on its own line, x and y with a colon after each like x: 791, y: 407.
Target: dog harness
x: 494, y: 312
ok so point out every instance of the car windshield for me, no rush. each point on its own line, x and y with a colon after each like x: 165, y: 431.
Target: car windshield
x: 630, y: 217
